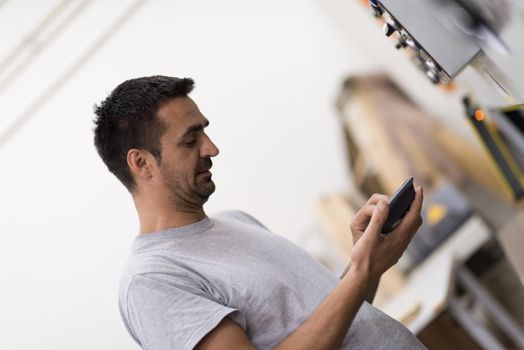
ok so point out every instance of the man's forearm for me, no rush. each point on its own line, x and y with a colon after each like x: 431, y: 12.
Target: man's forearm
x: 329, y: 323
x: 373, y: 286
x: 372, y: 291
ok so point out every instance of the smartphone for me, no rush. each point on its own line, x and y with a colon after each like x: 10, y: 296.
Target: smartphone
x: 399, y: 204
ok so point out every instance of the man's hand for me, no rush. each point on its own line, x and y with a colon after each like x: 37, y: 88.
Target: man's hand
x: 374, y: 253
x: 361, y: 220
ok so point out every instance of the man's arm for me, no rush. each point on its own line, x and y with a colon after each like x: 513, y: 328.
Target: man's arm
x: 373, y: 286
x: 227, y: 335
x: 324, y: 329
x: 327, y: 326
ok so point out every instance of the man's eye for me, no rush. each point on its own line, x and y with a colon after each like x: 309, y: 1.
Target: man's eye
x: 190, y: 143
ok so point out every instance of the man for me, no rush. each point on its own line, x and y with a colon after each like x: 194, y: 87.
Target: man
x: 225, y: 281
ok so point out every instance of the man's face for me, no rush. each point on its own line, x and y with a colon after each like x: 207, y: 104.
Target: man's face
x: 186, y: 154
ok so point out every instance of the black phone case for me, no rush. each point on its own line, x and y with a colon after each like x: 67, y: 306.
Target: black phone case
x: 399, y: 204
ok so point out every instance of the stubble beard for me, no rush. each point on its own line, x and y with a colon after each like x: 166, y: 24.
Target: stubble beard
x: 184, y: 197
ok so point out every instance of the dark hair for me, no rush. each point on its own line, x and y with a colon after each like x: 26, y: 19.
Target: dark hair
x: 127, y: 119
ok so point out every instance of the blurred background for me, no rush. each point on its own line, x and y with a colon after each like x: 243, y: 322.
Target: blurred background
x: 313, y: 110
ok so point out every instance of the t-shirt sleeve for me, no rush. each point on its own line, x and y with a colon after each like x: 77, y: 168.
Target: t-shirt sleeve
x: 172, y: 315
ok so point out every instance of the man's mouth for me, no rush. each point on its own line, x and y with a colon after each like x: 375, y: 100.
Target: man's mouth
x: 205, y: 170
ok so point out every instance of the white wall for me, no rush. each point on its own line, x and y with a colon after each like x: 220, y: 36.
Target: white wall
x: 267, y: 74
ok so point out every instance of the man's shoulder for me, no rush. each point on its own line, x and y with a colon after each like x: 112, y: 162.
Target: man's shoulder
x: 239, y: 216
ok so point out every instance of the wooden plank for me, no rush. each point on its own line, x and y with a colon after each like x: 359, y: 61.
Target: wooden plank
x: 384, y: 126
x: 335, y: 214
x: 472, y: 160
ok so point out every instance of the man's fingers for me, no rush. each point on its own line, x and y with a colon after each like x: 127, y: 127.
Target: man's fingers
x: 372, y: 218
x: 375, y: 198
x: 362, y: 217
x: 416, y: 206
x: 413, y: 220
x: 378, y: 218
x: 365, y: 213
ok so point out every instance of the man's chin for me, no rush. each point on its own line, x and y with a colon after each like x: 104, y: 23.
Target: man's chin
x: 206, y: 190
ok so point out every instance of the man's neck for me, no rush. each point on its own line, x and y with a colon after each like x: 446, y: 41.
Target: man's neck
x: 154, y: 217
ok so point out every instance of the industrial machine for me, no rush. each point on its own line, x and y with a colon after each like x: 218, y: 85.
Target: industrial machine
x: 445, y: 36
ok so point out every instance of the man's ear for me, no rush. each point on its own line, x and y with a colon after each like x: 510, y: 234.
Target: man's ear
x: 141, y: 163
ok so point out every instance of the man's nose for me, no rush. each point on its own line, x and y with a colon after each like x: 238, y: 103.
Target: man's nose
x: 208, y: 149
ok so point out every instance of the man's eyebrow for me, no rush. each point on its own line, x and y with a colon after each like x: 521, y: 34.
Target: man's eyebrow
x: 196, y: 127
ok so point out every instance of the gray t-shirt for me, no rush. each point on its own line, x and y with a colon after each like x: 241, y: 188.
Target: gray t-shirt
x: 180, y: 283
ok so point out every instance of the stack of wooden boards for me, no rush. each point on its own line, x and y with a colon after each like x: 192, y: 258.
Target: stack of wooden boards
x: 390, y: 138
